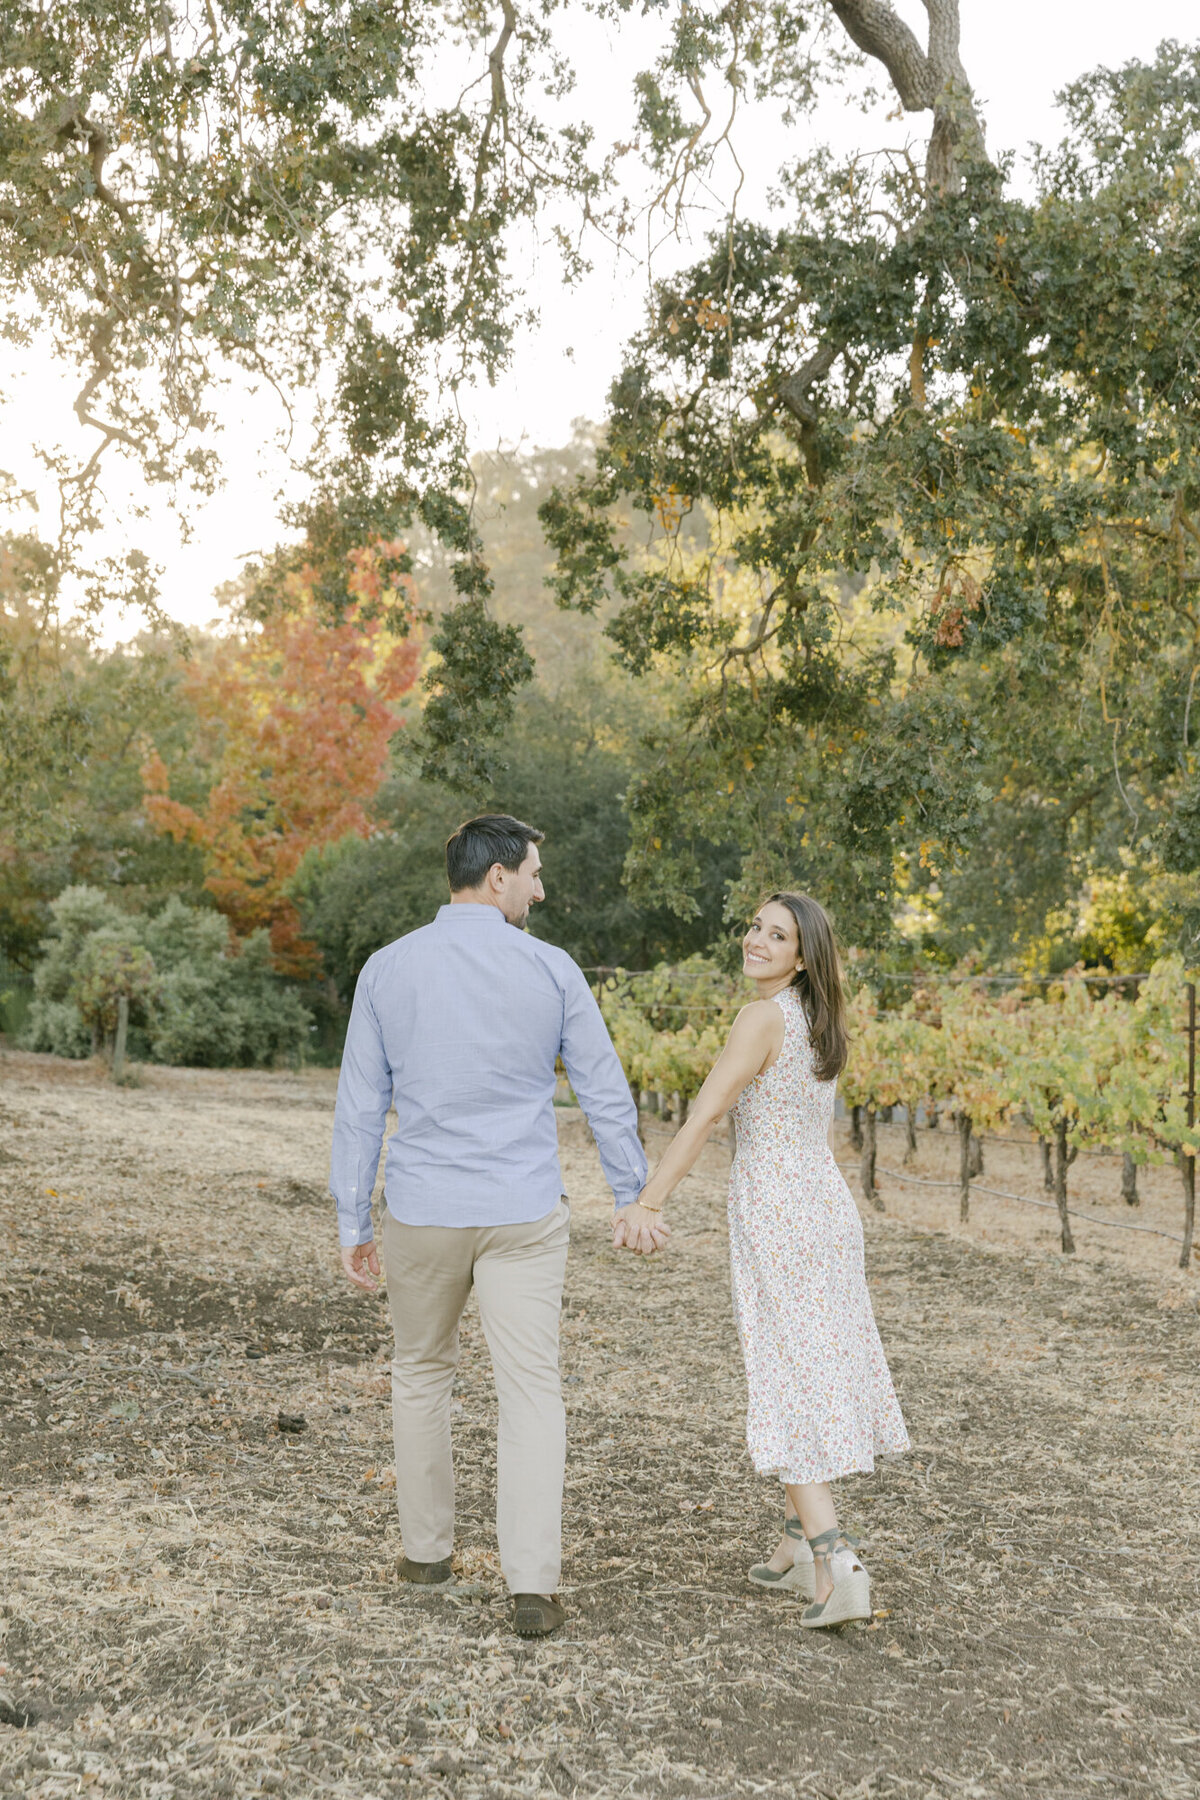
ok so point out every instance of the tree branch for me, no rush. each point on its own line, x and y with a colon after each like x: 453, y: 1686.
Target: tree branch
x: 794, y: 392
x: 882, y: 33
x: 932, y: 79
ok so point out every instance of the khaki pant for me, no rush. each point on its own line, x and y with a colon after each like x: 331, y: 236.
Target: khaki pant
x: 517, y: 1273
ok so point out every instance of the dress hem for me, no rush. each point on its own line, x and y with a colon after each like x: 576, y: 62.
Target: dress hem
x: 790, y: 1479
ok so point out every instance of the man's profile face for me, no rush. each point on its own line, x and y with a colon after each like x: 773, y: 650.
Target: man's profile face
x: 521, y: 888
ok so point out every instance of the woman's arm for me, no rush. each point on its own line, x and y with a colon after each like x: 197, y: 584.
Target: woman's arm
x: 754, y: 1041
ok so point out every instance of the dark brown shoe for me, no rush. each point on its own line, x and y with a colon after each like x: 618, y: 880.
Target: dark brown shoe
x: 535, y: 1616
x: 435, y: 1574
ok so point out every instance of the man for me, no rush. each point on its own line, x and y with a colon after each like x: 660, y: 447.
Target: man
x: 459, y: 1026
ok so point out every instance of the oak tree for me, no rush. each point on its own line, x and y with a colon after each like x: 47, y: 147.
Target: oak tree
x: 940, y: 437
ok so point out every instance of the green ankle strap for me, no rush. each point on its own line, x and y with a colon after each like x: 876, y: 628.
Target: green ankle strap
x: 794, y: 1529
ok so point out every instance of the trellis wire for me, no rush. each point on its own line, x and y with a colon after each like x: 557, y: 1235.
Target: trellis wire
x: 977, y: 1187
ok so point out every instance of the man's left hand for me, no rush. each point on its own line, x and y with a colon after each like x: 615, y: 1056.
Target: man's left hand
x: 361, y: 1263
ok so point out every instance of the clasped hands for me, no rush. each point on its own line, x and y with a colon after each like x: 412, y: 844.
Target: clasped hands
x: 640, y: 1230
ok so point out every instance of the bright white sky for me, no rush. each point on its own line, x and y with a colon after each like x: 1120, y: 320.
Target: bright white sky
x: 1017, y: 55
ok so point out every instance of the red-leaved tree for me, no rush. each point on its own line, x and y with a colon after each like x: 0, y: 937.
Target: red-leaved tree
x: 301, y: 714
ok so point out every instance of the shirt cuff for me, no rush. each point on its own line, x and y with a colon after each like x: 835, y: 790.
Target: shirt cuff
x: 351, y: 1232
x: 625, y: 1197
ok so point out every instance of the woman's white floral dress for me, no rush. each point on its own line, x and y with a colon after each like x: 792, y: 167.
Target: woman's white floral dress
x: 821, y: 1401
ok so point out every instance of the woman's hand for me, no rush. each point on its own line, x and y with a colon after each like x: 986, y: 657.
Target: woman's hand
x: 638, y: 1229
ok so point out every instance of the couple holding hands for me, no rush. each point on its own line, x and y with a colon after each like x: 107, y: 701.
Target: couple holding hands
x: 459, y: 1026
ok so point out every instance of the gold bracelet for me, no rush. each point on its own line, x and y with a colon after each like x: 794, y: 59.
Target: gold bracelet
x: 645, y: 1208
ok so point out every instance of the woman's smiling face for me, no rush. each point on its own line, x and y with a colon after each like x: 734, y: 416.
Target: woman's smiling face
x: 771, y: 947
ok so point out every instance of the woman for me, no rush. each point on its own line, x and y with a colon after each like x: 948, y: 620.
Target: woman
x: 821, y: 1401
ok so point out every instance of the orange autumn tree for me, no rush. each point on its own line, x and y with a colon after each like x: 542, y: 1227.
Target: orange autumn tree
x: 302, y: 713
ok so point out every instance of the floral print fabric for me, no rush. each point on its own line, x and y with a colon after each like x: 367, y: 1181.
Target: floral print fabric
x: 821, y: 1400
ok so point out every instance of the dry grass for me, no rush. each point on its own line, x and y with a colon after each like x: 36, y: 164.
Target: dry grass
x: 198, y: 1604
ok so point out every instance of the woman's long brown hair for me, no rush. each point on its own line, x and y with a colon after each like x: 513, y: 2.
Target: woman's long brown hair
x: 819, y: 982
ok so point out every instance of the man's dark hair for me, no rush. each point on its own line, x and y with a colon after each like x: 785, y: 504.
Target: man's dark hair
x: 491, y: 838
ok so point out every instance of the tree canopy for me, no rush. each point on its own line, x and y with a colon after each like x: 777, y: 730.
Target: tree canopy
x: 302, y: 196
x: 943, y: 438
x: 897, y: 488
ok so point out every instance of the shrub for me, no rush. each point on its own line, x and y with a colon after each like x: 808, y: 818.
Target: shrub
x: 196, y: 995
x: 57, y: 1026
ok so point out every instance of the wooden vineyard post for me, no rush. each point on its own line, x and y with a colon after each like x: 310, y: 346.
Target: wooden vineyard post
x: 867, y: 1164
x: 1189, y: 1161
x: 964, y: 1167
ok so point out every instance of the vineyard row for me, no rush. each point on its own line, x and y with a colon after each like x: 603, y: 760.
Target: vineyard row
x: 1081, y: 1071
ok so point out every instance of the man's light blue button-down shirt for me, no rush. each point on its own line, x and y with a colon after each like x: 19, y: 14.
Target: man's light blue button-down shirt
x: 458, y: 1026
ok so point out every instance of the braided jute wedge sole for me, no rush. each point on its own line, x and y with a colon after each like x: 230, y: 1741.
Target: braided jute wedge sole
x: 851, y: 1596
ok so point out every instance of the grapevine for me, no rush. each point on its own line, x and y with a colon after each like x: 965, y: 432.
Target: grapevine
x: 1080, y: 1070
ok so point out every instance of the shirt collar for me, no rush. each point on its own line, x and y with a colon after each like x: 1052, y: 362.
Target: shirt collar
x: 465, y: 910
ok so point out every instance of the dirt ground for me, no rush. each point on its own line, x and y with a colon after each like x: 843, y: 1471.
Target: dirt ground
x: 196, y: 1602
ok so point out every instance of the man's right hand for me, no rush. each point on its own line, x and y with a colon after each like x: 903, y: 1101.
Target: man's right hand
x: 361, y: 1263
x: 637, y: 1229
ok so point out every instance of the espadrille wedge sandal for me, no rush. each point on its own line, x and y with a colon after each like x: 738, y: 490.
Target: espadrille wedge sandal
x: 851, y: 1596
x: 800, y: 1578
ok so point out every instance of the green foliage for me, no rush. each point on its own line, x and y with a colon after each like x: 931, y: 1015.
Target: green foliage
x: 76, y: 914
x: 75, y: 736
x: 44, y: 734
x: 669, y: 1023
x: 1119, y: 925
x: 566, y: 773
x: 247, y: 189
x: 480, y: 665
x: 946, y: 443
x: 361, y: 893
x: 195, y: 997
x: 895, y: 512
x: 111, y: 969
x: 1108, y: 1071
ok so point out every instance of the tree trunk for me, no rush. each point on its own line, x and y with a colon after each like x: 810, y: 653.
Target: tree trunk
x: 976, y: 1157
x: 1129, y: 1193
x: 1047, y: 1165
x: 910, y: 1133
x: 885, y: 1115
x: 867, y: 1164
x: 964, y: 1167
x: 1187, y: 1167
x: 1062, y: 1162
x: 683, y: 1108
x: 118, y: 1062
x: 931, y: 1118
x: 856, y: 1130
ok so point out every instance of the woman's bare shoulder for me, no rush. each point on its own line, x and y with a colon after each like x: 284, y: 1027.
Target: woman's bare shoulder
x: 760, y: 1018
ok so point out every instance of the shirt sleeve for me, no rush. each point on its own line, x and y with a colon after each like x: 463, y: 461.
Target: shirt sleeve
x: 595, y: 1073
x: 360, y: 1117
